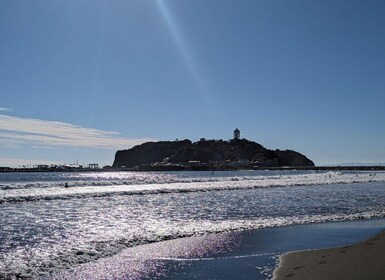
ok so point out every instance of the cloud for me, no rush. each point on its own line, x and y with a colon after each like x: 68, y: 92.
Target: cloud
x: 17, y: 131
x: 3, y: 109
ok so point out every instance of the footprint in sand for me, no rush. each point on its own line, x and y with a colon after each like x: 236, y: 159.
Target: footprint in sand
x: 299, y: 267
x: 323, y: 262
x: 342, y: 251
x: 325, y: 256
x: 370, y: 243
x: 290, y: 275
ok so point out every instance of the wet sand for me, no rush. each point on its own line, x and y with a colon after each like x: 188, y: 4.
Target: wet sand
x: 250, y: 254
x: 365, y: 260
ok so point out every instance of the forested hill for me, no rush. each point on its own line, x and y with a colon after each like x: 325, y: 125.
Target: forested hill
x: 214, y: 153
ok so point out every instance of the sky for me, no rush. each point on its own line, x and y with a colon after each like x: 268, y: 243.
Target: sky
x: 80, y: 80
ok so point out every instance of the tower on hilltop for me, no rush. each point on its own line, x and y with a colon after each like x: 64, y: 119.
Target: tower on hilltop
x: 237, y: 134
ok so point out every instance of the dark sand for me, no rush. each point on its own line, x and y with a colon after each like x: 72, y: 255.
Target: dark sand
x: 365, y: 260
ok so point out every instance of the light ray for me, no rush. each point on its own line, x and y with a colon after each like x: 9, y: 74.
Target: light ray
x: 183, y: 49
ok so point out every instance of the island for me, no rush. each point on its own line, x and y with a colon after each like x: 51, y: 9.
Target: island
x: 207, y: 155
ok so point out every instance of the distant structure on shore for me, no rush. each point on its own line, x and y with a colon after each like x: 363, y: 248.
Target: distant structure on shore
x: 55, y: 168
x: 237, y: 134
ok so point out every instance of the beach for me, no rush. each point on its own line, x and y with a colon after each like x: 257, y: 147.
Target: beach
x: 364, y: 260
x: 251, y: 254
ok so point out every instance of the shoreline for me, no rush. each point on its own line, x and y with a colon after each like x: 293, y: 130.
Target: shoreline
x: 363, y: 260
x: 245, y: 254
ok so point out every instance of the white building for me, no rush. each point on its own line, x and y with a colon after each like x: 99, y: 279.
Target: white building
x: 237, y: 134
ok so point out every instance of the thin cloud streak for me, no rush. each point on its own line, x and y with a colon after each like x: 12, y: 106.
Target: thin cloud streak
x: 59, y: 134
x: 4, y: 109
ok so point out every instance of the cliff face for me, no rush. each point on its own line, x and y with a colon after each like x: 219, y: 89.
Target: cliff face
x: 210, y: 152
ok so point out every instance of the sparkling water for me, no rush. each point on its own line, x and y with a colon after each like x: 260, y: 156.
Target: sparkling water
x: 46, y: 228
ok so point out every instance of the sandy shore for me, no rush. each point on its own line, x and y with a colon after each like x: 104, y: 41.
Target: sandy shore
x: 365, y: 260
x: 249, y: 254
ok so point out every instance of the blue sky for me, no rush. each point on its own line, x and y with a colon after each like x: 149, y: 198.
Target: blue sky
x: 81, y: 79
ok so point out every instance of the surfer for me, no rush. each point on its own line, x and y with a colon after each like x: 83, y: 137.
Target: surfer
x: 66, y: 185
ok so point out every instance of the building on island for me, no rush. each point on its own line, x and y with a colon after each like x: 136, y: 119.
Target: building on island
x: 93, y: 166
x: 237, y: 134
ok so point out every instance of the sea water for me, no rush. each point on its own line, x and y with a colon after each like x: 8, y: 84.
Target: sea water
x: 47, y: 229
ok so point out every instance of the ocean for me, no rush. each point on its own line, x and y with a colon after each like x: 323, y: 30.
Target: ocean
x: 112, y: 220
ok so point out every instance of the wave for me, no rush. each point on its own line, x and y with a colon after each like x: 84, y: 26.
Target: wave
x: 144, y: 180
x: 60, y: 264
x: 51, y: 180
x: 56, y: 191
x: 48, y: 238
x: 58, y: 184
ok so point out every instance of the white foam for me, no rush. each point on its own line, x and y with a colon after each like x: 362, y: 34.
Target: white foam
x: 186, y: 185
x: 61, y: 231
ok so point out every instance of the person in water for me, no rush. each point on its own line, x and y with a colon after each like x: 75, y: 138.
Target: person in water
x: 66, y: 185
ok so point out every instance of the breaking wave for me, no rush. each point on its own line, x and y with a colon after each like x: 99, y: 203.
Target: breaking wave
x: 47, y: 228
x: 18, y: 192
